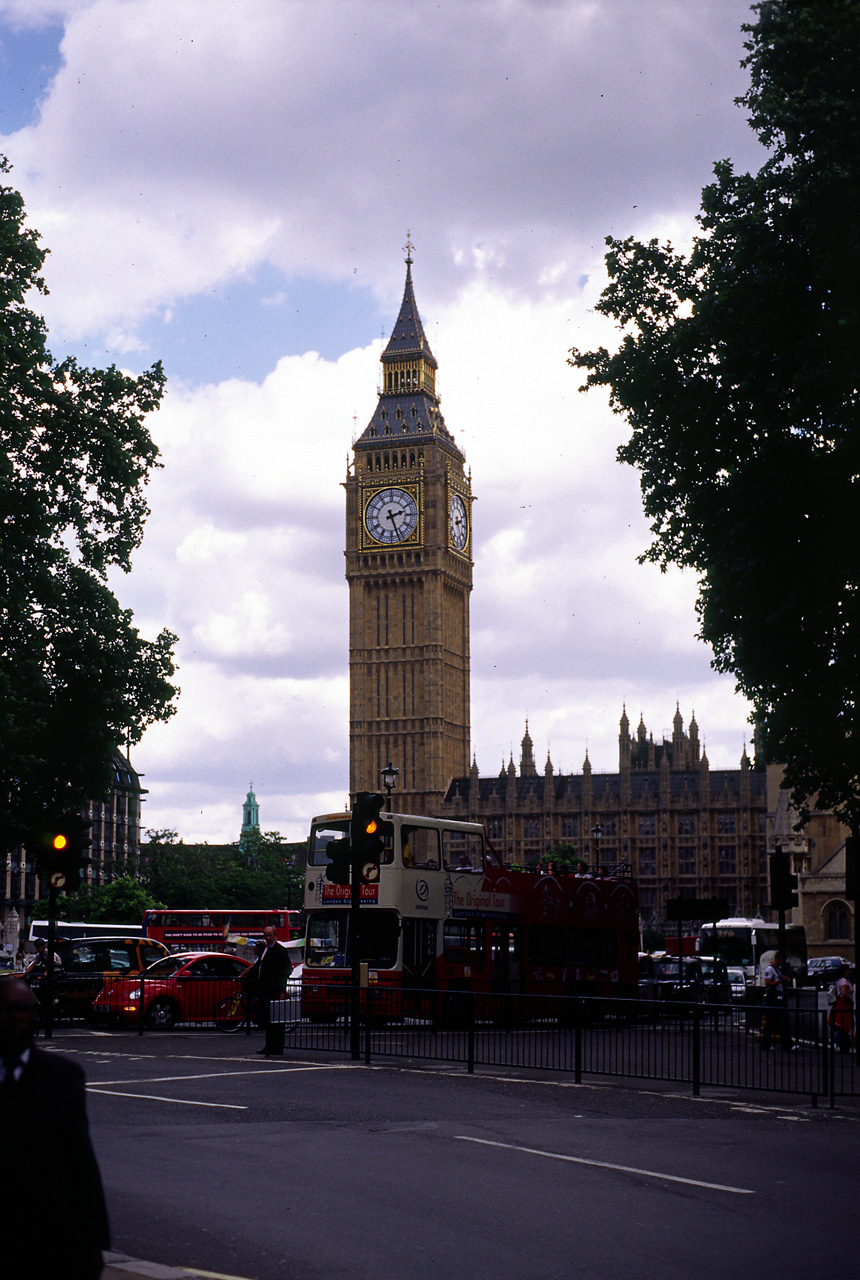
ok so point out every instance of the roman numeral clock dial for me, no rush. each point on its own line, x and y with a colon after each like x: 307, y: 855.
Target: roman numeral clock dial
x: 391, y: 515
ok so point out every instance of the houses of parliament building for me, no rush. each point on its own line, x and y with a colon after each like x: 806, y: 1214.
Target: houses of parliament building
x: 684, y: 830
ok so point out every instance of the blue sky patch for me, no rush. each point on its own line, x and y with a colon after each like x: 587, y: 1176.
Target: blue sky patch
x: 242, y: 328
x: 29, y: 60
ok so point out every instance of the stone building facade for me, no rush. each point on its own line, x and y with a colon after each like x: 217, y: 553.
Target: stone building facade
x: 817, y: 851
x: 684, y: 829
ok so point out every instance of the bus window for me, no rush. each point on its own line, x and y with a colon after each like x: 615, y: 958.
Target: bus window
x: 463, y: 942
x: 420, y: 847
x: 321, y: 838
x: 462, y: 851
x: 328, y: 939
x: 378, y: 938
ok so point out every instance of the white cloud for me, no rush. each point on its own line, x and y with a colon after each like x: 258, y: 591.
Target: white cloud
x: 183, y: 145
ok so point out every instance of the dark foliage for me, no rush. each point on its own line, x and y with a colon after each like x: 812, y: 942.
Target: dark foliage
x: 738, y: 374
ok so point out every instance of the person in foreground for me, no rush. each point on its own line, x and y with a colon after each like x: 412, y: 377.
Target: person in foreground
x: 57, y: 1224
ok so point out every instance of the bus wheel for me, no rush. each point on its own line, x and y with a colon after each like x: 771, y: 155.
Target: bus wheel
x: 162, y: 1013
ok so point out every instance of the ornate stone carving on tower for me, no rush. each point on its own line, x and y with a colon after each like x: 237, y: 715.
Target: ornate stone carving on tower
x: 409, y: 569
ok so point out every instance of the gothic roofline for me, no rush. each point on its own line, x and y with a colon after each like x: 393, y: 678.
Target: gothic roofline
x: 612, y: 786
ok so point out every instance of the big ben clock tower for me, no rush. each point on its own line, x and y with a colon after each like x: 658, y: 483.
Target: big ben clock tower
x: 409, y: 569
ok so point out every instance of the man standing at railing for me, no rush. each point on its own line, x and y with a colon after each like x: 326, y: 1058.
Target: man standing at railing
x: 775, y: 1005
x: 266, y: 982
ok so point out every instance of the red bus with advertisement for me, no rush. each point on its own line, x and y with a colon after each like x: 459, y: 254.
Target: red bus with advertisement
x: 442, y: 922
x: 199, y: 930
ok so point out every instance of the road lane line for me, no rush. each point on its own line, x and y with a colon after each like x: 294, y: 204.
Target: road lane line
x: 604, y: 1164
x: 215, y: 1075
x: 154, y: 1097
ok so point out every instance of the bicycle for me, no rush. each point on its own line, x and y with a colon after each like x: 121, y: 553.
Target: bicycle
x: 235, y: 1011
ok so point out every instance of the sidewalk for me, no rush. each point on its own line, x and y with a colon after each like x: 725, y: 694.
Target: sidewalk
x: 118, y: 1266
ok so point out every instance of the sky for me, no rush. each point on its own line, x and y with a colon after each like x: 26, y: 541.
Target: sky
x: 227, y: 186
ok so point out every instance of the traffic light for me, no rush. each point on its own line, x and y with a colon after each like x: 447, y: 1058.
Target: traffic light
x: 340, y: 854
x: 852, y: 868
x: 64, y: 846
x: 366, y: 833
x: 783, y: 885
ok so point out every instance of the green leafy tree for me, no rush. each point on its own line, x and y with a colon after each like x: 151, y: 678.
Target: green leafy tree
x: 738, y: 374
x: 76, y: 678
x: 260, y: 871
x: 123, y: 901
x: 566, y: 857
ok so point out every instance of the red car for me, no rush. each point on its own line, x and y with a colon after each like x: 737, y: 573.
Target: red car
x: 181, y: 988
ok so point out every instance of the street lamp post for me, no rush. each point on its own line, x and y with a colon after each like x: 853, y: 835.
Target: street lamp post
x: 596, y: 833
x: 389, y: 776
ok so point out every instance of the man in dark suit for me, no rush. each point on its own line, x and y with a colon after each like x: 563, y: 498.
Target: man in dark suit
x: 56, y: 1225
x: 266, y: 981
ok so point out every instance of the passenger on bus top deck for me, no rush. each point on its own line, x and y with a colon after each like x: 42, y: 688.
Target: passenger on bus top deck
x: 464, y: 864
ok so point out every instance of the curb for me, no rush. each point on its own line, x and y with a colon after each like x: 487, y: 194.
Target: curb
x: 119, y: 1266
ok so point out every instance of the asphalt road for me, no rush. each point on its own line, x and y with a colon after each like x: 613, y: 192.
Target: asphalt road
x: 305, y: 1168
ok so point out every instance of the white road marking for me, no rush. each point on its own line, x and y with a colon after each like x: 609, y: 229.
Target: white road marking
x: 604, y: 1164
x: 215, y: 1075
x: 154, y: 1097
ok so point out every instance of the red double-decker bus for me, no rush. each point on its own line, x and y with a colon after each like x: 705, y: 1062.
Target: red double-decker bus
x: 218, y: 930
x: 443, y: 923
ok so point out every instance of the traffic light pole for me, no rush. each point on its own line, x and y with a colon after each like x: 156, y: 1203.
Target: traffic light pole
x: 48, y: 1010
x: 355, y: 980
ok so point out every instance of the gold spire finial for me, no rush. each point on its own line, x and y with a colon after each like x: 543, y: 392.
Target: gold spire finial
x: 408, y: 247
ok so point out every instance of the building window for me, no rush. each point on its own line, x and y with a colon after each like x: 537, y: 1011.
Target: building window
x: 531, y: 828
x: 687, y: 860
x: 569, y: 828
x: 647, y: 862
x: 838, y: 922
x: 727, y: 860
x: 725, y: 824
x: 686, y: 824
x: 495, y: 828
x: 608, y: 826
x: 647, y: 824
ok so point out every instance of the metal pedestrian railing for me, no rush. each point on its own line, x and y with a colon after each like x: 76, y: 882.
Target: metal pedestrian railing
x: 788, y: 1051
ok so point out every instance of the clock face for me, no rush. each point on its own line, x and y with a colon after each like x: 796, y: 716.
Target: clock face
x: 458, y: 522
x: 391, y: 515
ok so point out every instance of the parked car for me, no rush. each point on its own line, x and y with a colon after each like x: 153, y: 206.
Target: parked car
x: 185, y: 987
x: 738, y: 981
x: 706, y: 980
x: 89, y: 965
x: 823, y: 970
